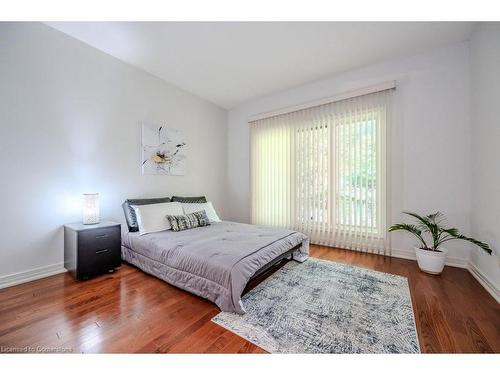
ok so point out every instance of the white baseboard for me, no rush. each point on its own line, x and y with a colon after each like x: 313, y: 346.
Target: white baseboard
x: 450, y: 261
x: 485, y: 282
x: 30, y: 275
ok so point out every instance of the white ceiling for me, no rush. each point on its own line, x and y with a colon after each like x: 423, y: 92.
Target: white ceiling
x: 230, y: 63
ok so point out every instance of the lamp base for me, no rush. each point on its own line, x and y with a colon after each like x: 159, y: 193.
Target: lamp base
x: 91, y: 223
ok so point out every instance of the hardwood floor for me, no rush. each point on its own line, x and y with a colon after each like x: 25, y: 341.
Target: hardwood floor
x: 129, y: 311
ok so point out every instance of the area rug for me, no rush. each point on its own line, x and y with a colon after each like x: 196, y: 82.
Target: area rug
x: 325, y: 307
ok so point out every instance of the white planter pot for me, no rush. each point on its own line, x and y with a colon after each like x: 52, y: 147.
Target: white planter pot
x: 431, y: 261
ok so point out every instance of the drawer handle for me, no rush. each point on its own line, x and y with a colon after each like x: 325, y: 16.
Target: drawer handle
x: 101, y: 251
x: 101, y: 236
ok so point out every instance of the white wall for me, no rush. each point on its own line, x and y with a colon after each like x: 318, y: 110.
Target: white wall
x: 69, y: 123
x: 430, y: 138
x: 485, y: 94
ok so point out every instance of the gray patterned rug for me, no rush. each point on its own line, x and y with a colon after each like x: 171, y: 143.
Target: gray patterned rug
x: 325, y: 307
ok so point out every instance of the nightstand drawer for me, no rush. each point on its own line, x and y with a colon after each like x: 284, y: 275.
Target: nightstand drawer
x: 98, y: 239
x: 96, y: 261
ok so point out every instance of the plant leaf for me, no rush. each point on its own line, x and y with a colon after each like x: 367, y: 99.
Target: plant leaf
x: 455, y: 234
x: 413, y: 229
x: 427, y: 225
x: 436, y: 217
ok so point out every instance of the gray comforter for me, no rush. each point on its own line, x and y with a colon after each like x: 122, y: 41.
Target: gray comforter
x: 215, y: 262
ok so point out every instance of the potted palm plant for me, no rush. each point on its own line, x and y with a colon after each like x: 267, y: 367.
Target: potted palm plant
x: 431, y: 257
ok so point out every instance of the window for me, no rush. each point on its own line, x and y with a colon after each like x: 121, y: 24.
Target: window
x: 359, y: 173
x: 323, y: 171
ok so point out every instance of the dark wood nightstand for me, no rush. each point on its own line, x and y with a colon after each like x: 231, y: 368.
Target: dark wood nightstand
x: 90, y: 250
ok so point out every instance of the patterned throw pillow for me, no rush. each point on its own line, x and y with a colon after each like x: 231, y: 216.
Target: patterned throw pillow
x: 182, y: 222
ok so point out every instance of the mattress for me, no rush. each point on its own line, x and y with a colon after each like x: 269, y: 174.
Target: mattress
x: 214, y: 262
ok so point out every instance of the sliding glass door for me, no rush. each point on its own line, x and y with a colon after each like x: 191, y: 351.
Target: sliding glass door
x: 323, y: 171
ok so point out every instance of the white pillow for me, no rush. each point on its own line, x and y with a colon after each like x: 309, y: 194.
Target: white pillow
x: 209, y: 209
x: 152, y: 217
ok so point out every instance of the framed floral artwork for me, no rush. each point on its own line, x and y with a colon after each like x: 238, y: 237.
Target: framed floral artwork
x: 163, y: 151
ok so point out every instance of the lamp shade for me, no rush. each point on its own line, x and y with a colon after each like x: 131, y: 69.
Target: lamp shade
x: 91, y: 208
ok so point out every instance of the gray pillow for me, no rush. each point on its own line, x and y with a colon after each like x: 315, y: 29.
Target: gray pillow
x: 130, y: 213
x: 201, y: 199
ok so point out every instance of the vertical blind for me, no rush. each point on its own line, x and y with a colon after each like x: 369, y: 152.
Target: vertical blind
x: 323, y: 171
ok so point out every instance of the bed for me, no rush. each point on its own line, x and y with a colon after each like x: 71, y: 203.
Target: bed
x: 214, y: 262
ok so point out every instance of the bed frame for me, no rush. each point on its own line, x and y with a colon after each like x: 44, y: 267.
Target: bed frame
x: 275, y: 261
